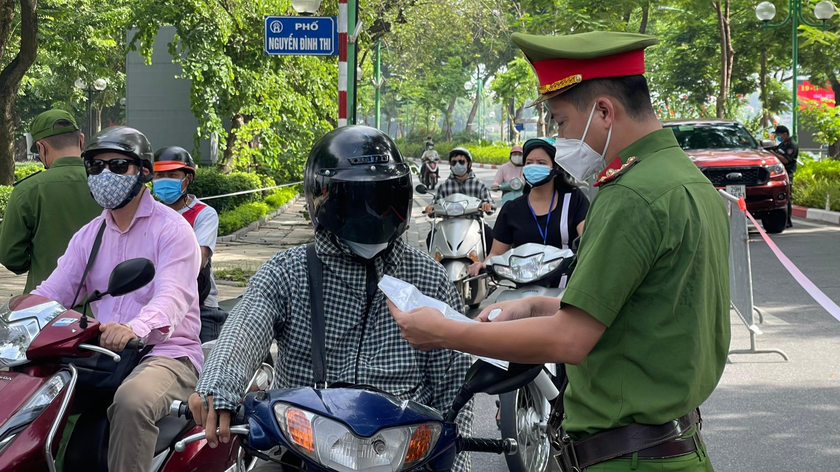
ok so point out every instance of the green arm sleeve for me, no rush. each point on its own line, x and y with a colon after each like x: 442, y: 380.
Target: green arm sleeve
x: 16, y: 234
x: 618, y: 247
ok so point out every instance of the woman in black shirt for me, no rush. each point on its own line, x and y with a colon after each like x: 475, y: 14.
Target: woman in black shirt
x: 550, y: 212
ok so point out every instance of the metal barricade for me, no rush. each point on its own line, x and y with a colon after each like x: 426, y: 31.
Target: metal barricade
x: 740, y: 275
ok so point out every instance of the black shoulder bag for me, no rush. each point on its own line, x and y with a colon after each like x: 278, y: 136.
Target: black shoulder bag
x: 316, y: 300
x: 100, y: 372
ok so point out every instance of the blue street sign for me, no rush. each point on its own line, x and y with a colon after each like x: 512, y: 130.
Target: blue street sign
x: 519, y: 126
x: 301, y: 35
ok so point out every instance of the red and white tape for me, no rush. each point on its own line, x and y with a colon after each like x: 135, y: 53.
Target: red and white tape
x: 797, y: 274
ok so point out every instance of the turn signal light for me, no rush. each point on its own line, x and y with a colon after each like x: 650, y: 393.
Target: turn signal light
x: 421, y: 440
x: 438, y: 256
x: 473, y: 256
x: 300, y: 429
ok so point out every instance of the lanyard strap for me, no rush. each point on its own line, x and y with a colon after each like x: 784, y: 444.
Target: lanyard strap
x: 543, y: 233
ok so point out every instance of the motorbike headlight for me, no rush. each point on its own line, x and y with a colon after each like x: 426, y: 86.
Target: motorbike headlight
x: 36, y: 404
x: 332, y: 445
x: 527, y: 269
x: 455, y: 208
x: 15, y: 338
x: 516, y: 184
x: 775, y: 169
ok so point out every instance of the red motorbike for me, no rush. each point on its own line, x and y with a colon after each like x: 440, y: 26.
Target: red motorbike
x: 38, y: 389
x: 431, y: 173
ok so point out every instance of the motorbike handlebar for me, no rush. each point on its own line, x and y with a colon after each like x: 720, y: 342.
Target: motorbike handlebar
x: 491, y: 446
x: 135, y: 344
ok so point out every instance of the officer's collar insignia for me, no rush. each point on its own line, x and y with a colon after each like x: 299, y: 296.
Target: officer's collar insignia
x: 614, y: 170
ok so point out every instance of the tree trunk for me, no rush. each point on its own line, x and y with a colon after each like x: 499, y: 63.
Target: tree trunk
x: 726, y: 55
x: 236, y: 122
x: 645, y: 16
x: 762, y: 87
x: 449, y: 119
x: 834, y: 149
x: 473, y: 112
x: 11, y: 77
x: 542, y: 112
x: 512, y: 123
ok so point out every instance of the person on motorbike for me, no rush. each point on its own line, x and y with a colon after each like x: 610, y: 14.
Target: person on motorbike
x: 119, y: 163
x: 174, y: 172
x: 551, y: 212
x: 429, y: 155
x: 463, y: 180
x: 511, y: 169
x: 359, y: 211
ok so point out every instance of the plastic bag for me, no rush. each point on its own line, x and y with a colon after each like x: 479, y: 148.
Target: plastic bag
x: 406, y: 297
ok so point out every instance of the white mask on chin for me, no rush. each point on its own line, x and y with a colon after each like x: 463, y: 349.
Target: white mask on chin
x: 366, y: 251
x: 578, y: 158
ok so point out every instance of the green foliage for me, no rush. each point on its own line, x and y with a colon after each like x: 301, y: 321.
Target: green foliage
x: 23, y: 170
x: 5, y: 193
x: 490, y: 154
x: 516, y: 83
x: 282, y: 196
x: 210, y: 182
x: 816, y: 179
x: 241, y: 216
x: 824, y: 118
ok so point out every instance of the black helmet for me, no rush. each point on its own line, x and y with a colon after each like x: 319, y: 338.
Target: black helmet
x: 173, y: 158
x: 358, y: 186
x: 123, y: 140
x: 459, y: 151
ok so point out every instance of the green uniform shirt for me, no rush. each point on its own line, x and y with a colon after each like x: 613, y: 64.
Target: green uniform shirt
x: 654, y: 268
x: 45, y: 210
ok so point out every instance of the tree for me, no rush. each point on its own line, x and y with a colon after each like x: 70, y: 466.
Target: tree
x: 820, y: 58
x: 26, y: 33
x: 515, y: 85
x: 824, y: 118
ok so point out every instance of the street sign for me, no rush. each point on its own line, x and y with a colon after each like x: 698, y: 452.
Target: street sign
x: 519, y: 126
x: 301, y: 35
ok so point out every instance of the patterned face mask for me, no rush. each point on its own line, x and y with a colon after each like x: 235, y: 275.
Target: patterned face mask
x: 109, y: 189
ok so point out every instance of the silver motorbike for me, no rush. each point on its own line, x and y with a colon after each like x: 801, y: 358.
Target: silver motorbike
x: 457, y: 241
x: 530, y: 270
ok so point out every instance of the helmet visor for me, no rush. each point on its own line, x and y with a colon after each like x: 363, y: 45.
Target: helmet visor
x: 371, y: 212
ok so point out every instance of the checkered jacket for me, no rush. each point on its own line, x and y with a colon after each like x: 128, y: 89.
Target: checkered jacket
x: 471, y: 187
x: 361, y: 349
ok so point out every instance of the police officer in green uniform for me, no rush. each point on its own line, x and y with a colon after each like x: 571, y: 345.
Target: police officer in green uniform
x: 47, y: 208
x: 644, y: 323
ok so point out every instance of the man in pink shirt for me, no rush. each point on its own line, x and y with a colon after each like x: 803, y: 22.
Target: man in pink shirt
x: 509, y: 170
x: 164, y: 313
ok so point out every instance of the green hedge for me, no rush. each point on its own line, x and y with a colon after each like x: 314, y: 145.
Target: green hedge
x: 481, y: 154
x: 5, y: 193
x: 814, y: 180
x: 210, y: 182
x: 243, y: 215
x: 25, y: 169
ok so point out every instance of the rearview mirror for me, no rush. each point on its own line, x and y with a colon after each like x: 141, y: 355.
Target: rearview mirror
x: 484, y: 377
x: 421, y: 189
x: 767, y: 143
x: 262, y: 379
x: 129, y: 276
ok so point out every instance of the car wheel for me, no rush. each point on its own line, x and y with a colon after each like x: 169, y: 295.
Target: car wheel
x: 775, y: 221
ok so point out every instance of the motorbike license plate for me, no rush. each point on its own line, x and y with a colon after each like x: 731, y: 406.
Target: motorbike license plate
x: 737, y: 191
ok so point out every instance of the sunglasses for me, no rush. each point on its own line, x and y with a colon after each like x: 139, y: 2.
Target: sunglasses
x: 117, y: 166
x: 458, y: 161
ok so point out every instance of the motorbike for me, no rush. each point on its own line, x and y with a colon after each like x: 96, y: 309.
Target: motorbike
x: 457, y: 241
x: 431, y: 173
x: 511, y: 190
x: 362, y: 428
x: 532, y: 269
x: 39, y: 391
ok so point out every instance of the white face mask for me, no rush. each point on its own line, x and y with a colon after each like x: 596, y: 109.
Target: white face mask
x: 577, y: 158
x: 366, y: 251
x: 516, y: 159
x: 459, y: 169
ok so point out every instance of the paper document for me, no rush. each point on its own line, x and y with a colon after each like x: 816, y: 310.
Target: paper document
x: 406, y: 297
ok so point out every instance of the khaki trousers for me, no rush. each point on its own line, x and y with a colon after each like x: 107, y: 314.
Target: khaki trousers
x: 141, y: 401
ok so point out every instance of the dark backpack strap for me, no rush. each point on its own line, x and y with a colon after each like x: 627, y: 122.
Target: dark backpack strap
x: 93, y: 252
x: 316, y: 310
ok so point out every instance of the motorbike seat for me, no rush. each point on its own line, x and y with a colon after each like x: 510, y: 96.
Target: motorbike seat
x: 170, y: 429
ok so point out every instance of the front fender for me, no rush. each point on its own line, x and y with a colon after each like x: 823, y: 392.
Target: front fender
x: 456, y: 269
x: 529, y: 291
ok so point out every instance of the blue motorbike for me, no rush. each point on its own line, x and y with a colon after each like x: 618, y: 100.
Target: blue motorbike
x: 360, y: 428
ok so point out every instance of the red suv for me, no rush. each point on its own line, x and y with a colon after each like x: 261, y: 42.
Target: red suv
x: 734, y: 161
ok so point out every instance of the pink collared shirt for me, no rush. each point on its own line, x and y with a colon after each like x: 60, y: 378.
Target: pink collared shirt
x: 507, y: 172
x: 165, y: 311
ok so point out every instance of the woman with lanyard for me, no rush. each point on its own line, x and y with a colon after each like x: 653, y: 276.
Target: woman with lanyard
x: 551, y: 211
